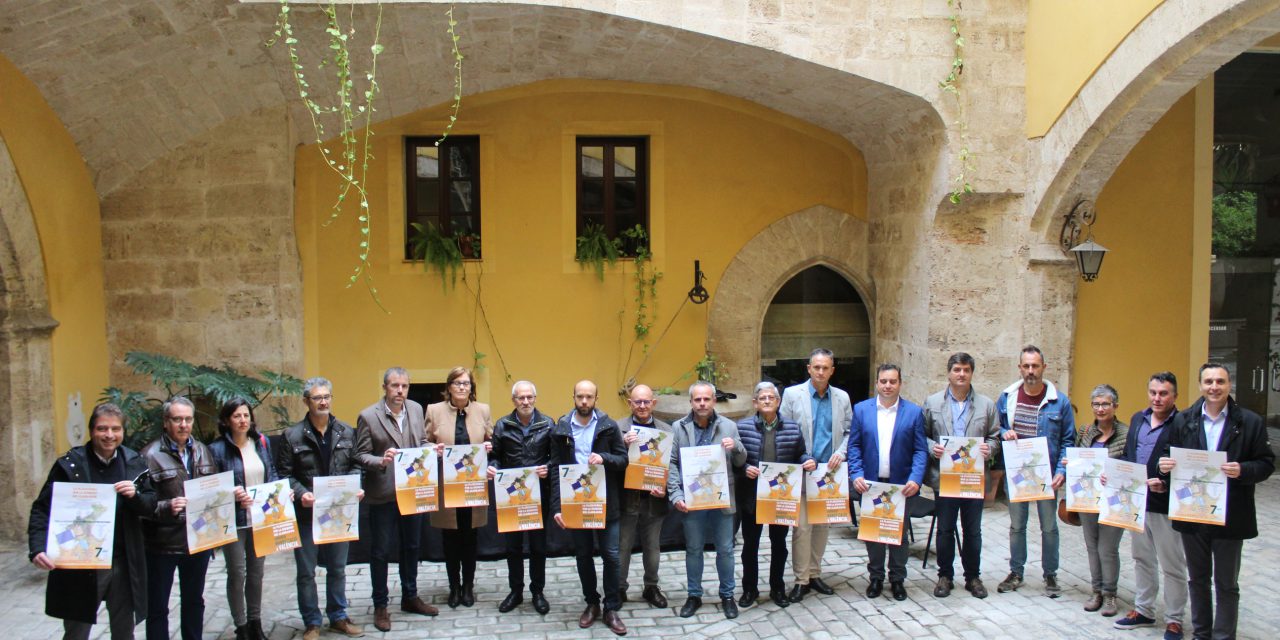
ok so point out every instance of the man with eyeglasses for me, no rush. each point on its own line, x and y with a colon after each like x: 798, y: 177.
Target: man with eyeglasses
x: 824, y: 414
x: 318, y: 445
x: 395, y: 422
x: 643, y: 512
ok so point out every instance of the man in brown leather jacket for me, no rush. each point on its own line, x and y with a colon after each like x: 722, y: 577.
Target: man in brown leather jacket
x: 173, y: 459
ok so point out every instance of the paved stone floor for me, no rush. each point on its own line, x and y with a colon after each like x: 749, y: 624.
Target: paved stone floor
x: 1025, y: 614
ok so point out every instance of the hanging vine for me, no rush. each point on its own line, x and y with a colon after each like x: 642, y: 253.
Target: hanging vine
x: 951, y: 84
x: 457, y: 76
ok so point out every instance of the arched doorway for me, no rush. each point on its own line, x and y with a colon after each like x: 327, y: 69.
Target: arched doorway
x: 817, y: 308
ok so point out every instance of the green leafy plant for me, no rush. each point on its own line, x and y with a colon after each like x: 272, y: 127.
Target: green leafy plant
x: 595, y: 249
x: 206, y: 386
x: 645, y: 282
x: 437, y: 250
x: 951, y: 84
x: 710, y: 369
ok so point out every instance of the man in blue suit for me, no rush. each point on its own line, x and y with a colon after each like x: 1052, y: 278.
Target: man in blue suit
x: 887, y: 444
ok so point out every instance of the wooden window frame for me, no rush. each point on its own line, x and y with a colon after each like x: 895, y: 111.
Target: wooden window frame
x: 642, y: 180
x: 443, y: 219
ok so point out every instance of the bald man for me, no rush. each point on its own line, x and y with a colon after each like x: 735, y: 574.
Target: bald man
x: 587, y: 436
x: 643, y: 512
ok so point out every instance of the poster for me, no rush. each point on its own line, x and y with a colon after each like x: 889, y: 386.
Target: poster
x: 465, y: 470
x: 416, y: 481
x: 518, y: 498
x: 704, y: 474
x: 1084, y: 475
x: 778, y: 493
x: 582, y: 496
x: 826, y: 495
x: 275, y: 525
x: 1197, y: 486
x: 648, y: 459
x: 1124, y: 499
x: 82, y: 525
x: 1028, y: 475
x: 883, y: 510
x: 335, y: 517
x: 211, y: 511
x: 962, y: 469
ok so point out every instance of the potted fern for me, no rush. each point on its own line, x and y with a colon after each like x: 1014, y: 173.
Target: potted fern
x: 594, y: 248
x: 437, y: 250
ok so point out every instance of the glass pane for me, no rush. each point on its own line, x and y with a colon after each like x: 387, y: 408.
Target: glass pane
x: 593, y: 162
x: 624, y: 162
x: 624, y: 195
x: 460, y: 200
x: 462, y: 225
x: 428, y: 162
x: 592, y: 195
x: 427, y: 197
x: 460, y: 159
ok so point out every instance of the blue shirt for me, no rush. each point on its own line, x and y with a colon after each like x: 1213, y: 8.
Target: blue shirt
x: 582, y: 436
x: 1213, y: 426
x: 959, y: 412
x: 820, y: 408
x: 1147, y: 435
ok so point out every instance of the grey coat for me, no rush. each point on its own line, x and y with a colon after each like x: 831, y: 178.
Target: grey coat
x: 797, y: 406
x: 982, y: 422
x: 684, y: 429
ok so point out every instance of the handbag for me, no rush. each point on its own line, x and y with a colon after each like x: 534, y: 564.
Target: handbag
x: 1067, y: 517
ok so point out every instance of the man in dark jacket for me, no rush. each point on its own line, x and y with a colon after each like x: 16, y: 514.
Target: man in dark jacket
x: 319, y: 445
x: 588, y: 436
x: 643, y: 512
x: 1157, y: 551
x: 73, y: 595
x: 172, y: 459
x: 1216, y: 423
x: 768, y: 437
x: 523, y: 439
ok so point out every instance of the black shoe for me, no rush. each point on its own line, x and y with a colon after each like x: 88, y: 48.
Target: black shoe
x: 875, y: 588
x: 653, y: 595
x: 899, y: 591
x: 256, y: 631
x: 512, y: 601
x: 779, y: 598
x: 455, y: 597
x: 798, y: 592
x: 467, y: 597
x: 730, y: 608
x: 821, y: 587
x: 748, y: 598
x: 242, y: 632
x: 540, y: 604
x: 690, y: 607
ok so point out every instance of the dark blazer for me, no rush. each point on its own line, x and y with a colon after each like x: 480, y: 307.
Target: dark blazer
x: 298, y: 458
x: 789, y: 446
x: 1244, y: 438
x: 72, y: 594
x: 908, y: 454
x: 1156, y: 502
x: 608, y: 443
x: 375, y: 433
x: 165, y: 532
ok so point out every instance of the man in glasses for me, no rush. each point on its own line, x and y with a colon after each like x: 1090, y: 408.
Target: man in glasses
x: 643, y: 512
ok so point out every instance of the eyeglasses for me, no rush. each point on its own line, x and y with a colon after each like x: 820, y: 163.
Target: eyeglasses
x: 641, y: 403
x: 766, y: 398
x: 325, y: 398
x: 461, y: 384
x: 525, y: 398
x: 1101, y: 405
x: 182, y: 419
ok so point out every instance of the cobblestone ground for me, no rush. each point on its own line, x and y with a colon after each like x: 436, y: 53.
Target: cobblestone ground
x: 1025, y: 614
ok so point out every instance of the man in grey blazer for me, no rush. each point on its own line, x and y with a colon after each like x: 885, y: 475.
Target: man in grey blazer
x: 960, y: 411
x: 395, y: 422
x: 823, y: 413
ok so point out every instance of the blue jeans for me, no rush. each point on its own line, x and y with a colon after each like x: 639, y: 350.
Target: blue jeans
x: 191, y: 571
x: 698, y: 525
x: 382, y: 519
x: 969, y: 513
x: 1019, y: 512
x: 307, y: 557
x: 584, y: 541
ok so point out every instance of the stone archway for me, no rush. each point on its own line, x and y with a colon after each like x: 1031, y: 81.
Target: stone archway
x: 26, y: 376
x: 817, y: 235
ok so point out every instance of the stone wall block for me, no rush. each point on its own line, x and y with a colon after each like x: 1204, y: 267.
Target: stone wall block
x: 204, y: 304
x: 251, y: 303
x: 243, y: 200
x: 181, y: 275
x: 128, y: 275
x: 144, y: 306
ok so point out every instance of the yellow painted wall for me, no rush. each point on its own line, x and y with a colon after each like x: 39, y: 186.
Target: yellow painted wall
x: 1066, y: 41
x: 1148, y: 310
x: 65, y: 207
x: 721, y: 170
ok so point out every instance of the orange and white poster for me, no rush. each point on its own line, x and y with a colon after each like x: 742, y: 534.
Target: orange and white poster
x: 464, y: 476
x: 778, y: 494
x: 416, y: 483
x: 518, y: 498
x: 275, y: 525
x: 648, y: 459
x: 826, y: 495
x: 883, y: 510
x: 582, y: 496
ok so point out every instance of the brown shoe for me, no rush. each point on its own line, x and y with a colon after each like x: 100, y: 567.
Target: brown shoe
x: 975, y: 587
x: 312, y: 632
x: 416, y: 605
x: 1094, y: 602
x: 589, y: 616
x: 614, y: 623
x: 381, y: 619
x: 345, y: 627
x: 943, y: 588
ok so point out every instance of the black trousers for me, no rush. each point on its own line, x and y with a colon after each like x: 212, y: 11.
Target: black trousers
x: 968, y: 511
x: 537, y: 560
x: 460, y: 551
x: 1210, y: 558
x: 751, y: 554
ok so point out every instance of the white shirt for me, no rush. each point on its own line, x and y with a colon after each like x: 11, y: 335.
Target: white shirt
x: 1213, y: 426
x: 886, y: 419
x: 398, y: 417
